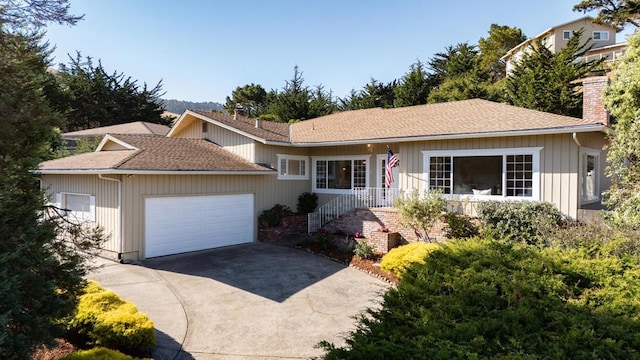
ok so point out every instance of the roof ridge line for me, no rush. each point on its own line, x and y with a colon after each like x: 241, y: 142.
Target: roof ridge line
x: 128, y: 158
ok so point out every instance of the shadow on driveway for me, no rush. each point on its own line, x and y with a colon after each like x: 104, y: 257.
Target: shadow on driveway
x: 269, y: 271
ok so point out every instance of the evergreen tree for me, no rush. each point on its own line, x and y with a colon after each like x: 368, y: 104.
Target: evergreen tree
x: 613, y: 12
x: 622, y: 99
x: 40, y: 275
x: 500, y: 40
x: 545, y: 81
x: 374, y: 94
x: 414, y: 87
x: 90, y: 97
x: 252, y: 97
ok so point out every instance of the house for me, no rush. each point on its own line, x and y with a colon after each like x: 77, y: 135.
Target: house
x: 204, y: 184
x: 602, y: 41
x: 137, y: 127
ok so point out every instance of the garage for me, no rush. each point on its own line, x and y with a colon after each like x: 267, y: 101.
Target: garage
x: 176, y: 225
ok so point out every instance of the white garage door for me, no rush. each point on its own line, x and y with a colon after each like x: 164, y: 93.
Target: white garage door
x: 189, y: 223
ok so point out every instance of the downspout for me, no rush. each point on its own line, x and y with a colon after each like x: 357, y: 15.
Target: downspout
x: 119, y: 232
x: 579, y: 188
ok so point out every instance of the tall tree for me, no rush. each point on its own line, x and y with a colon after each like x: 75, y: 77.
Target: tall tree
x: 374, y: 94
x: 459, y: 75
x: 612, y: 12
x: 18, y: 15
x: 252, y: 97
x: 501, y: 39
x: 414, y: 87
x: 545, y: 81
x: 292, y: 103
x: 321, y: 103
x: 622, y: 99
x: 40, y: 276
x: 91, y: 97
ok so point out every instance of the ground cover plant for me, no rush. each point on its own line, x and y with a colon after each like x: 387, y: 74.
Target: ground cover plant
x: 487, y: 299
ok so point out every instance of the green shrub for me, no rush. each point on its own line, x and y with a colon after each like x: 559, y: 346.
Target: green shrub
x: 398, y: 260
x: 484, y: 299
x: 98, y: 353
x: 273, y: 217
x: 459, y: 226
x: 525, y: 221
x: 363, y: 250
x: 109, y: 321
x: 307, y: 203
x: 420, y: 212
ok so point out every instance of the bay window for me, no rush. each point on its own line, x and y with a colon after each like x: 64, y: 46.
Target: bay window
x: 339, y: 174
x: 499, y: 173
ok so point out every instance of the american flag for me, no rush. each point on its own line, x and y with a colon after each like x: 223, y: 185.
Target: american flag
x: 392, y: 161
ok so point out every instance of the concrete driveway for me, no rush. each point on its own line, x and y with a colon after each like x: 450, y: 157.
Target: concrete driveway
x: 255, y: 301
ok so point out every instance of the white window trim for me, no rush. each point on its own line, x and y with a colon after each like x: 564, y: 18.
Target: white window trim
x: 293, y: 157
x: 593, y: 152
x: 533, y: 151
x: 89, y: 216
x: 564, y: 32
x: 601, y: 32
x: 315, y: 159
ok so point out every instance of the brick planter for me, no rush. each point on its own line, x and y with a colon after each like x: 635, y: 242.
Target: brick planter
x: 382, y: 242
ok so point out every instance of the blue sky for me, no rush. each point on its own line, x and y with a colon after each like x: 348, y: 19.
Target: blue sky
x: 202, y: 50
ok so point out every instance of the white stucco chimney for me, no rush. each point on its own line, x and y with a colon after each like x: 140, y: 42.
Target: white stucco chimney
x: 258, y: 123
x: 593, y: 109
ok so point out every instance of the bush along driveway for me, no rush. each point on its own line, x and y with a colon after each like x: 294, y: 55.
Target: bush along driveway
x: 245, y: 302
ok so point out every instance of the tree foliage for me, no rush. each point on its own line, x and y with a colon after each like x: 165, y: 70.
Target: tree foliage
x: 296, y: 101
x: 612, y: 12
x: 414, y: 87
x: 374, y: 94
x: 622, y: 99
x: 545, y: 81
x: 90, y: 97
x: 40, y: 275
x: 34, y: 14
x: 458, y: 75
x: 252, y: 98
x: 501, y: 39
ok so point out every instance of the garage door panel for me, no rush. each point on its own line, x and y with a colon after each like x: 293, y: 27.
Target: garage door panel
x: 190, y: 223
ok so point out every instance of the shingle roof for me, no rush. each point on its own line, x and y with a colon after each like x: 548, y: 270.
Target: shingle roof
x: 269, y: 130
x: 472, y: 117
x: 158, y: 153
x: 137, y: 127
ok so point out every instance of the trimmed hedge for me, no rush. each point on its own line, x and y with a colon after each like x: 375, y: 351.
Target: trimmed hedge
x: 525, y: 221
x: 398, y: 260
x: 486, y: 299
x: 109, y: 321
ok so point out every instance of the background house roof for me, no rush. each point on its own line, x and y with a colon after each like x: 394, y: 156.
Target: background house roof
x: 472, y: 117
x: 137, y: 127
x: 158, y: 153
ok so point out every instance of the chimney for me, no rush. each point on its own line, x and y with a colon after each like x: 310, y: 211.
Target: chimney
x: 238, y: 110
x: 258, y: 123
x: 593, y: 109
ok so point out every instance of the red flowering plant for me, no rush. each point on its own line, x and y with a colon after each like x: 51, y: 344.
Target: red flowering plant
x: 358, y: 235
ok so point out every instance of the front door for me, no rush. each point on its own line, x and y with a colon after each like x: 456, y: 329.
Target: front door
x: 383, y: 199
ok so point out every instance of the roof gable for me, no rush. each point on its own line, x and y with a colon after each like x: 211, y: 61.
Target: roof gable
x: 154, y: 153
x: 260, y: 130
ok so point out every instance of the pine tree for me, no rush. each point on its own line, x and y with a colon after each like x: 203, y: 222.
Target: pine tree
x: 622, y: 99
x: 545, y: 81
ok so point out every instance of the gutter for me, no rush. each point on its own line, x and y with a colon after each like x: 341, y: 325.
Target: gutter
x: 121, y: 217
x: 150, y: 172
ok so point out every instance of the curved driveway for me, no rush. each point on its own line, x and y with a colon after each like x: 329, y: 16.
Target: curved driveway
x: 255, y: 301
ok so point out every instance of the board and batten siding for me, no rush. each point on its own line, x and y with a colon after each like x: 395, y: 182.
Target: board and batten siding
x: 106, y: 197
x: 268, y: 191
x: 559, y: 161
x: 229, y: 140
